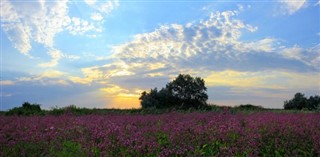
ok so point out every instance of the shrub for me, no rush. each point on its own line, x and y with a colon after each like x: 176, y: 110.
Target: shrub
x: 26, y: 109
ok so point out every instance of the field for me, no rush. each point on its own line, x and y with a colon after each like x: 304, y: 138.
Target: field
x: 168, y: 134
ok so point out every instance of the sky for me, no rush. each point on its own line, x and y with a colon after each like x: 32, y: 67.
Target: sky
x: 103, y: 54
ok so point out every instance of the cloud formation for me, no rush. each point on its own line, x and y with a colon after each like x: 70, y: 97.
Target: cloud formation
x: 289, y: 7
x: 211, y: 48
x: 40, y: 21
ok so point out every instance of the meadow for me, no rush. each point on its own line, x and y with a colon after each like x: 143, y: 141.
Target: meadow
x: 222, y: 133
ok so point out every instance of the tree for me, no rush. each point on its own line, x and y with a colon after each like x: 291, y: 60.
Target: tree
x: 298, y: 102
x: 184, y: 92
x: 301, y: 102
x: 189, y: 91
x: 313, y: 102
x: 149, y: 99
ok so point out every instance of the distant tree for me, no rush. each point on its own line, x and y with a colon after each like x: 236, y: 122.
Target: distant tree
x: 26, y: 109
x: 299, y: 102
x: 313, y: 102
x: 184, y: 92
x: 149, y: 99
x: 188, y: 91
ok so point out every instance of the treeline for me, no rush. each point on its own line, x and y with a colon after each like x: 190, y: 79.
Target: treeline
x: 300, y: 102
x: 29, y: 109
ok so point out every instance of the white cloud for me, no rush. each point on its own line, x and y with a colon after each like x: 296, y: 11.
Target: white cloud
x: 90, y: 2
x: 104, y: 7
x: 37, y: 21
x: 289, y: 7
x: 214, y: 39
x: 80, y: 27
x: 96, y: 17
x: 309, y: 56
x: 49, y: 77
x: 41, y: 21
x: 56, y: 55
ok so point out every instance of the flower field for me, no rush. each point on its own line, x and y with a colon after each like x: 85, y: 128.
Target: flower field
x: 170, y: 134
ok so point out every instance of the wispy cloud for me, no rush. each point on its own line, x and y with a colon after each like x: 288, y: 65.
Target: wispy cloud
x: 96, y: 17
x: 49, y: 77
x: 270, y: 79
x: 56, y: 55
x: 310, y: 56
x: 289, y: 7
x: 7, y: 82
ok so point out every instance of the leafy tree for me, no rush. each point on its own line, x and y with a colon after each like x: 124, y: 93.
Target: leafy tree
x: 149, y: 99
x: 184, y: 92
x: 189, y: 91
x: 301, y: 102
x: 313, y: 102
x: 298, y: 102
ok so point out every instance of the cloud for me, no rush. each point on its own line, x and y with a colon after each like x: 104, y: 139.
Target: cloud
x: 7, y: 82
x: 210, y: 48
x: 100, y: 74
x: 56, y: 55
x: 289, y: 7
x: 275, y: 79
x: 104, y: 7
x: 36, y: 21
x: 310, y: 56
x: 49, y: 77
x: 210, y: 44
x: 40, y: 21
x: 80, y: 26
x: 96, y: 17
x: 211, y: 38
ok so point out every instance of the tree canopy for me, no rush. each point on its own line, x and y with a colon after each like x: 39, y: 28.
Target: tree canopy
x: 299, y: 101
x: 183, y: 92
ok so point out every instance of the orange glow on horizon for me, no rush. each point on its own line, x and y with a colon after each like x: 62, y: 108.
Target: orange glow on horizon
x: 124, y: 102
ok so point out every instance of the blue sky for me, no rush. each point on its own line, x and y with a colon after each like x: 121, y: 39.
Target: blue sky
x: 103, y: 54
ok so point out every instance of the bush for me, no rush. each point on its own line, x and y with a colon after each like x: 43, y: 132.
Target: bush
x: 26, y: 109
x: 249, y: 107
x: 71, y: 109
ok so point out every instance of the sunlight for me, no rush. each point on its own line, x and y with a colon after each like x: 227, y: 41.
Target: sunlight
x: 125, y: 102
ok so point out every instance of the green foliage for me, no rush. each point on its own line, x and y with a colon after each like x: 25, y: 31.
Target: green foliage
x: 69, y: 149
x: 189, y: 91
x: 24, y: 149
x: 184, y: 92
x: 72, y: 109
x: 26, y: 109
x: 300, y: 102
